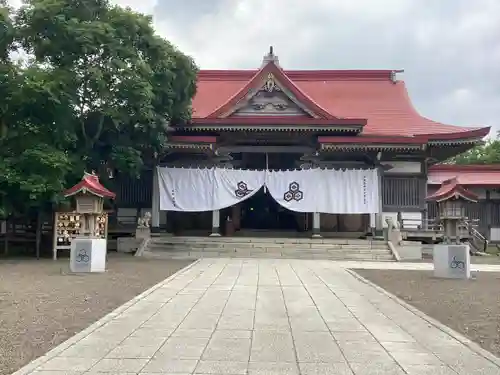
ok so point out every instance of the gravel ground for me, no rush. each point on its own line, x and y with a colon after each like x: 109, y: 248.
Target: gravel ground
x: 471, y: 307
x: 485, y: 259
x: 41, y: 305
x: 473, y: 260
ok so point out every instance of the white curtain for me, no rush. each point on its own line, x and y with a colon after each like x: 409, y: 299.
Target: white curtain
x: 297, y: 190
x: 207, y: 189
x: 326, y: 190
x: 312, y: 190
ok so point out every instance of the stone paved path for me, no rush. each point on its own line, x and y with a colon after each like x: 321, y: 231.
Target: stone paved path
x: 263, y: 317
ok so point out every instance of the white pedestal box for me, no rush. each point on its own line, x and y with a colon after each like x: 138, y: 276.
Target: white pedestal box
x: 452, y: 261
x: 88, y: 255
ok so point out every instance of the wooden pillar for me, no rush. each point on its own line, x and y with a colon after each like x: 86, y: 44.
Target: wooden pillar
x: 424, y: 194
x: 379, y: 222
x: 164, y: 221
x: 236, y: 216
x: 6, y: 238
x: 39, y: 227
x: 155, y: 203
x: 487, y: 207
x: 215, y: 223
x: 425, y: 218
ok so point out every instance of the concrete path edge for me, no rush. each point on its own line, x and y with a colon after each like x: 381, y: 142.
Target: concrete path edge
x: 457, y: 336
x: 87, y: 331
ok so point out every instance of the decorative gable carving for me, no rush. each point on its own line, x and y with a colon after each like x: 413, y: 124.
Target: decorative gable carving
x: 271, y: 85
x: 263, y: 104
x: 270, y: 79
x: 270, y: 99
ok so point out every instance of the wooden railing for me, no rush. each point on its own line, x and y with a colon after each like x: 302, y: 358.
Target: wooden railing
x: 417, y: 224
x: 476, y: 239
x: 468, y: 229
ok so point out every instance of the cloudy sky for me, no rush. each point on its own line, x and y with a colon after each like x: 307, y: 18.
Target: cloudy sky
x: 449, y: 49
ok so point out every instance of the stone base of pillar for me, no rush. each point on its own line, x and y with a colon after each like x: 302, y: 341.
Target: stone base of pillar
x: 316, y: 225
x: 155, y: 231
x: 215, y: 224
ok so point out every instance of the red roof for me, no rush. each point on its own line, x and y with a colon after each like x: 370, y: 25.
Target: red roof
x: 193, y: 139
x: 477, y: 175
x: 452, y: 189
x: 370, y: 96
x: 275, y: 120
x: 373, y: 140
x: 90, y: 184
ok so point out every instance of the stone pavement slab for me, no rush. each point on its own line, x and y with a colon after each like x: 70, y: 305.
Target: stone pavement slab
x: 237, y: 316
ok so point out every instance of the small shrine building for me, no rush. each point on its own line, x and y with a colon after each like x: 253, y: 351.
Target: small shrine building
x: 481, y: 180
x: 277, y: 119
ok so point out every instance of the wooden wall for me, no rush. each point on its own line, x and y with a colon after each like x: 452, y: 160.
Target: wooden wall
x: 403, y: 193
x: 134, y: 193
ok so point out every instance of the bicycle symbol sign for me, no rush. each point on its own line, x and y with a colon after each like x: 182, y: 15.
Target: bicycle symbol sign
x: 457, y: 264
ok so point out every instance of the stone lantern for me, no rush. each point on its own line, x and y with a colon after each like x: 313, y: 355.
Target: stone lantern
x: 451, y: 199
x: 452, y: 258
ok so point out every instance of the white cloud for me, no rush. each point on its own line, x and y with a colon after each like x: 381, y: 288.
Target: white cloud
x: 143, y: 6
x: 15, y: 3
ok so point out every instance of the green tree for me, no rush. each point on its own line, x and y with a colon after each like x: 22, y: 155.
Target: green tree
x: 33, y: 141
x: 7, y: 85
x: 124, y: 83
x: 6, y: 30
x: 98, y: 93
x: 34, y: 161
x: 6, y: 69
x: 488, y: 153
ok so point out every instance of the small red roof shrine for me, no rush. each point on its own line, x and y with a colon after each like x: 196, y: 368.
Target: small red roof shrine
x: 90, y: 184
x: 452, y: 189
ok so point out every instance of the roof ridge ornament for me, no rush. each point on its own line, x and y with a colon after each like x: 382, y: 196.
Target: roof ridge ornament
x: 270, y: 57
x: 270, y: 85
x: 394, y: 75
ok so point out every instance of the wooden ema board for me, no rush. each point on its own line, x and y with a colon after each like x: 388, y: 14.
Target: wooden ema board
x: 68, y: 225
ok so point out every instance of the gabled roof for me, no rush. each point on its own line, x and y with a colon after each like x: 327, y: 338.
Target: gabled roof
x: 451, y: 189
x: 467, y: 175
x: 270, y: 73
x: 90, y: 184
x: 375, y: 96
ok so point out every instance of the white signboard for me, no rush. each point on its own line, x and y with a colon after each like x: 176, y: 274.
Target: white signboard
x: 88, y: 255
x: 452, y: 261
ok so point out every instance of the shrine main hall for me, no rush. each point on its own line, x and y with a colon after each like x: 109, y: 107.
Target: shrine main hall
x: 310, y: 152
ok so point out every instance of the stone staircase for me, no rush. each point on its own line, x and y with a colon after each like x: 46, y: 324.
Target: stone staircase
x: 255, y: 247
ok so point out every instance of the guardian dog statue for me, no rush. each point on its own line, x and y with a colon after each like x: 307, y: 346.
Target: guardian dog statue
x: 144, y: 221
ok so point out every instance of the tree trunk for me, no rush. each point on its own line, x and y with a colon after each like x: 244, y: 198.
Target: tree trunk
x: 39, y: 224
x: 6, y: 238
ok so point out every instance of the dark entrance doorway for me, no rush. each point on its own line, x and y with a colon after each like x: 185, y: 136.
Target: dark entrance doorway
x: 261, y: 211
